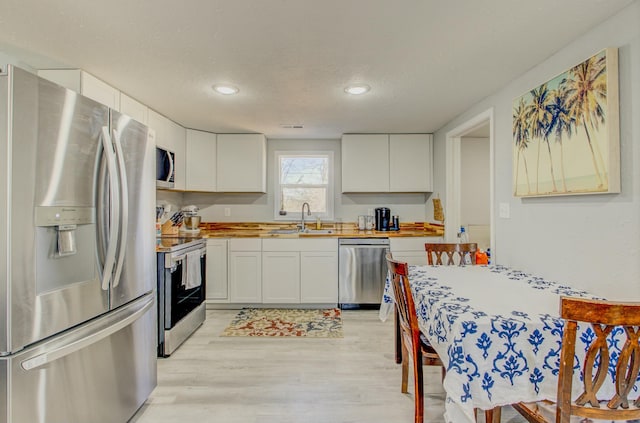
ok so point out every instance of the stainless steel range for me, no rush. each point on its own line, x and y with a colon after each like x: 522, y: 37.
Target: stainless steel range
x: 181, y: 290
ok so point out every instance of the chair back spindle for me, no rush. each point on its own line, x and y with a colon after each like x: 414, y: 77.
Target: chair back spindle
x: 452, y: 254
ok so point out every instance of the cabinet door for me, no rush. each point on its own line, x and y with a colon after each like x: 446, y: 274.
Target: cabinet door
x: 99, y: 91
x: 160, y: 124
x: 241, y: 163
x: 179, y: 136
x: 245, y: 276
x: 411, y: 249
x: 171, y: 136
x: 68, y: 78
x: 281, y: 277
x: 319, y: 277
x: 201, y: 161
x: 217, y: 286
x: 84, y: 83
x: 411, y: 257
x: 365, y: 163
x: 410, y: 163
x: 133, y: 108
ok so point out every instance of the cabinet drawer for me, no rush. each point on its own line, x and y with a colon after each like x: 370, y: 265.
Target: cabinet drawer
x: 325, y: 244
x: 245, y: 244
x: 412, y: 243
x: 290, y: 244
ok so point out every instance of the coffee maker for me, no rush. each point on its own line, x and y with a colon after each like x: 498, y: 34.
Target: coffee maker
x: 383, y: 218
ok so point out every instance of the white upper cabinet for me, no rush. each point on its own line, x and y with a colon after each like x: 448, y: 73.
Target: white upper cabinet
x: 100, y: 91
x: 410, y: 163
x: 365, y: 163
x: 171, y: 136
x: 134, y: 108
x: 241, y: 163
x: 179, y: 136
x: 387, y: 163
x: 85, y: 84
x: 201, y: 161
x: 68, y: 78
x: 161, y: 125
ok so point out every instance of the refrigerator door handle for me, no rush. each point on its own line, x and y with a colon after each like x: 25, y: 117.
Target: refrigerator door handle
x: 124, y: 207
x: 56, y: 354
x: 114, y: 191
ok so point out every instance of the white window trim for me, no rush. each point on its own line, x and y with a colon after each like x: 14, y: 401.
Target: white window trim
x: 297, y: 216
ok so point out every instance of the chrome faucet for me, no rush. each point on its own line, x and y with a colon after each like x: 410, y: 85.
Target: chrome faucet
x: 302, y: 214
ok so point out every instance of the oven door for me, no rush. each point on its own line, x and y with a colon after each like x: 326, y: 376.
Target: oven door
x: 179, y: 299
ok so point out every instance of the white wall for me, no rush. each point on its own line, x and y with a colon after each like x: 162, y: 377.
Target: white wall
x: 8, y: 59
x: 474, y: 181
x: 589, y: 241
x: 260, y: 207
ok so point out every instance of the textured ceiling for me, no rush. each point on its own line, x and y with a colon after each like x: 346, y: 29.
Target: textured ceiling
x: 426, y: 60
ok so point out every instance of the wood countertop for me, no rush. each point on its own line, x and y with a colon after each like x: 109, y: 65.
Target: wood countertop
x: 346, y: 230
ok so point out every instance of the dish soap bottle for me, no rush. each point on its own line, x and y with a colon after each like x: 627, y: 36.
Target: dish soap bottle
x: 464, y: 238
x: 318, y: 223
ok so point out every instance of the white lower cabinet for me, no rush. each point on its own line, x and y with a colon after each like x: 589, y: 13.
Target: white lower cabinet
x: 245, y: 270
x: 319, y: 277
x: 411, y: 250
x: 296, y: 271
x: 217, y: 282
x: 281, y: 277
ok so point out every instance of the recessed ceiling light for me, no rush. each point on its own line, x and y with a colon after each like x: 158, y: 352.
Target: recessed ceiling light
x: 357, y: 89
x: 226, y: 89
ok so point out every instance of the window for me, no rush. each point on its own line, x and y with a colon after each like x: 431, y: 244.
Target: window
x: 304, y: 177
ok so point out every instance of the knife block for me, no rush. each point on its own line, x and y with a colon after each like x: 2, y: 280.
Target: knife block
x: 169, y: 229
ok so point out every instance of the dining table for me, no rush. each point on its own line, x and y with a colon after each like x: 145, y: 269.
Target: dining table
x: 498, y: 333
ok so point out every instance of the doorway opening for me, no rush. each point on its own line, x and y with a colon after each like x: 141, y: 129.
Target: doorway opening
x: 470, y: 198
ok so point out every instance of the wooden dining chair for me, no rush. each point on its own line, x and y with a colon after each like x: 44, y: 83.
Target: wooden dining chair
x: 413, y: 343
x: 453, y: 254
x: 604, y: 317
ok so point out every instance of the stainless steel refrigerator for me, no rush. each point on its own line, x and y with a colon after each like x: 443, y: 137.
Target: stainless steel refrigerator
x: 77, y: 256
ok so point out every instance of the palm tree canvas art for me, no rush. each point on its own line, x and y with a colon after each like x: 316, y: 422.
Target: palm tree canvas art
x: 566, y: 132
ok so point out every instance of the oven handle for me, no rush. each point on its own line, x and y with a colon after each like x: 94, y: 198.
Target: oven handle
x: 171, y: 260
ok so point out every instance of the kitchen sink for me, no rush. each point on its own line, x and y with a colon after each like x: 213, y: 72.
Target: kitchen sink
x: 317, y: 231
x: 298, y: 231
x: 283, y: 231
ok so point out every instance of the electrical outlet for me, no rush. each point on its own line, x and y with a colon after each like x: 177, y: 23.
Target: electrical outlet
x: 227, y: 211
x: 504, y: 211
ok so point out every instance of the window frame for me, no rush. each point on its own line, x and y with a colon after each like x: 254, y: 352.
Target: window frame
x: 329, y: 215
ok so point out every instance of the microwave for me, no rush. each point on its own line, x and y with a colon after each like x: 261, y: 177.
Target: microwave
x: 165, y: 169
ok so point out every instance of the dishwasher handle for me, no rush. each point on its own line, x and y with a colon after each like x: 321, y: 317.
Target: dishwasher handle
x: 364, y: 247
x: 364, y: 242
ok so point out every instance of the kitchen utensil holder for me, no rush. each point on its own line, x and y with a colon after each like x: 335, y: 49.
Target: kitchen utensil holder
x: 168, y: 228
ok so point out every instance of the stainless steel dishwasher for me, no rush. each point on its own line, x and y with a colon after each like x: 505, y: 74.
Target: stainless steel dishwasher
x: 362, y: 271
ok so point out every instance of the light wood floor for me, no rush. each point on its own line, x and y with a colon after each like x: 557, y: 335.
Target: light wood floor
x: 285, y: 380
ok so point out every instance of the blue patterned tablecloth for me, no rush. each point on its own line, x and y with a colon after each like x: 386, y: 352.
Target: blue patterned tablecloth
x: 497, y: 331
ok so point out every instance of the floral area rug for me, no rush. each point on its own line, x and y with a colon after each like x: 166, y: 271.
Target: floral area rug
x: 326, y: 323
